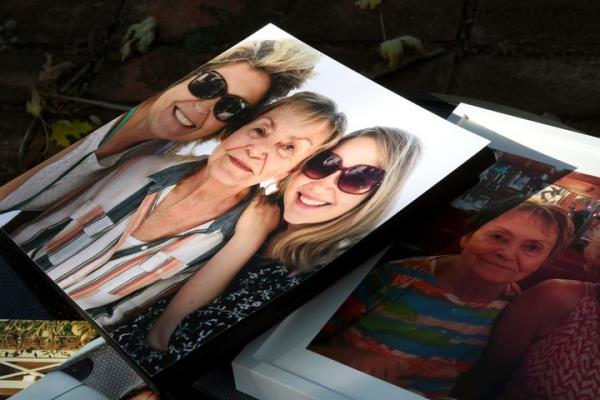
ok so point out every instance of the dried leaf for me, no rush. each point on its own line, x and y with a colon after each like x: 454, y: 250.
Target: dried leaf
x: 394, y: 49
x: 126, y: 50
x: 367, y: 4
x: 34, y: 106
x: 51, y: 72
x: 64, y: 133
x: 139, y: 36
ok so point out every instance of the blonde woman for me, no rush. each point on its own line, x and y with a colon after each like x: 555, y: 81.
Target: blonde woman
x: 555, y: 354
x: 335, y: 199
x: 420, y: 323
x: 216, y: 96
x: 144, y: 229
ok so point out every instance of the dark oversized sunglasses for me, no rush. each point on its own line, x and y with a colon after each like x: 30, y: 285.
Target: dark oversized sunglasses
x: 211, y: 85
x: 358, y: 179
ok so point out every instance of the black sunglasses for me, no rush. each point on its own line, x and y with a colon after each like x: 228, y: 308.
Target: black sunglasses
x: 358, y: 179
x: 211, y: 85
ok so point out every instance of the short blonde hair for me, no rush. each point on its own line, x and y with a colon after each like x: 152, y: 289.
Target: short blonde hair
x: 313, y: 107
x: 320, y: 243
x: 288, y: 62
x: 549, y: 214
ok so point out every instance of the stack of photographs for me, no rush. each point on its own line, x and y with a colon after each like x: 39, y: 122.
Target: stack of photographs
x: 496, y: 296
x: 198, y: 219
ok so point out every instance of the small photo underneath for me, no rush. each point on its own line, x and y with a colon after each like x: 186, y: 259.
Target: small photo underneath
x: 31, y: 349
x: 519, y: 252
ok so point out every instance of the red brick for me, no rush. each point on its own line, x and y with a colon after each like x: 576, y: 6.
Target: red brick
x: 537, y: 26
x: 342, y: 21
x: 431, y: 75
x: 60, y: 21
x: 175, y: 19
x: 144, y: 75
x: 19, y: 71
x: 566, y: 87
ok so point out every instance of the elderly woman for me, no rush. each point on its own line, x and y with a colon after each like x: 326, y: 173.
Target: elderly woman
x: 135, y: 234
x: 334, y: 200
x: 198, y: 107
x: 421, y: 323
x: 547, y: 344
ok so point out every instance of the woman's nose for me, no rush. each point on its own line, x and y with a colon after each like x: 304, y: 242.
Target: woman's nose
x: 258, y: 150
x: 509, y: 250
x: 329, y: 182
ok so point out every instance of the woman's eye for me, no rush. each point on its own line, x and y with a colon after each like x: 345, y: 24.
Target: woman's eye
x: 496, y: 237
x: 288, y: 148
x: 258, y: 132
x: 532, y: 248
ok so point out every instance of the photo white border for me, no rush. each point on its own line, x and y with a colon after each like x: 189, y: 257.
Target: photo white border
x: 278, y: 365
x: 444, y: 147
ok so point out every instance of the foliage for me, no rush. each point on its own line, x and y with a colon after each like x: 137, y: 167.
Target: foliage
x: 50, y: 337
x: 394, y: 49
x: 139, y: 36
x: 45, y: 103
x: 64, y: 132
x: 51, y: 72
x: 34, y: 106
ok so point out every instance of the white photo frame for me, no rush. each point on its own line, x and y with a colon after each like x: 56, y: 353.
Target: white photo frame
x: 278, y: 364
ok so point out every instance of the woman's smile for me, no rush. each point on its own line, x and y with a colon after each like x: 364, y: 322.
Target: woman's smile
x: 182, y: 118
x: 308, y: 200
x: 240, y: 164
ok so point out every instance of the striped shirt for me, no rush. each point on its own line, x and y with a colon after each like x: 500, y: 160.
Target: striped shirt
x: 85, y: 244
x: 400, y: 311
x: 77, y: 168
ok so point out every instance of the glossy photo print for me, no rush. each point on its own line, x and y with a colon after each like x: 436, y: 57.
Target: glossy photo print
x: 438, y: 317
x: 195, y: 209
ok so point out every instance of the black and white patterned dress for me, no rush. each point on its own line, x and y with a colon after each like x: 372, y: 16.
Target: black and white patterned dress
x: 259, y: 282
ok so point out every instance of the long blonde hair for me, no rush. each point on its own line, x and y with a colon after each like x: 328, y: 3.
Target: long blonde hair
x: 319, y: 243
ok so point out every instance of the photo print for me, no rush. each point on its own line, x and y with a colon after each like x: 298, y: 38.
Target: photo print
x: 186, y: 215
x: 437, y: 317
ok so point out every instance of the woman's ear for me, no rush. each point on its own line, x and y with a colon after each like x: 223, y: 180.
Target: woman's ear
x: 464, y: 240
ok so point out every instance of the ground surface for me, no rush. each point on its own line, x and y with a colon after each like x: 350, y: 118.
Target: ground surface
x: 537, y: 55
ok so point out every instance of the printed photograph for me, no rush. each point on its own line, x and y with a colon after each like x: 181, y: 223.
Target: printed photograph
x: 497, y: 298
x: 203, y: 203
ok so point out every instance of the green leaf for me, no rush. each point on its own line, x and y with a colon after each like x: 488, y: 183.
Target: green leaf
x: 367, y: 4
x: 139, y: 36
x: 34, y: 106
x: 394, y: 49
x: 63, y: 134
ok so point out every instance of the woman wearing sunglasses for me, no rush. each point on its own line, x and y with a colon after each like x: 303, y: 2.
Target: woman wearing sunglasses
x: 145, y: 228
x: 199, y: 107
x: 334, y: 200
